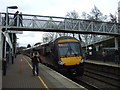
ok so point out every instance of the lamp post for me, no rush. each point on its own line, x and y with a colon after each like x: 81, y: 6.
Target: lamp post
x: 10, y: 7
x: 4, y: 60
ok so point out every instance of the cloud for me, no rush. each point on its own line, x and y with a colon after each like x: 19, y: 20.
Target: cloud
x: 29, y: 38
x: 54, y: 8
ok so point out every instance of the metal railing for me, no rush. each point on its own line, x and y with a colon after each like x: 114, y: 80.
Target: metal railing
x: 60, y: 23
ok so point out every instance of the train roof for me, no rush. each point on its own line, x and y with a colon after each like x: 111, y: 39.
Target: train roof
x: 65, y: 37
x: 59, y: 38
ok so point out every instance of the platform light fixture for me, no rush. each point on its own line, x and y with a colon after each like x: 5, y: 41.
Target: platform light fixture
x: 12, y: 7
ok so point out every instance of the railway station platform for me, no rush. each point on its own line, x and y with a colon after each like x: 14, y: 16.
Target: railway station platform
x: 19, y: 75
x: 100, y: 62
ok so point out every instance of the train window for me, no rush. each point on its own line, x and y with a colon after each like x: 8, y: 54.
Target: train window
x: 60, y: 45
x: 69, y: 49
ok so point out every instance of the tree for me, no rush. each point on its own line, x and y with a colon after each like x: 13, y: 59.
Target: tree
x: 95, y: 15
x: 86, y: 15
x: 113, y: 18
x: 73, y: 14
x: 28, y: 46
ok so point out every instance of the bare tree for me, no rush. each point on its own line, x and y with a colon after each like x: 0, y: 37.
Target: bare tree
x: 45, y: 39
x: 113, y: 18
x: 95, y: 15
x: 86, y: 15
x: 28, y: 46
x: 73, y: 14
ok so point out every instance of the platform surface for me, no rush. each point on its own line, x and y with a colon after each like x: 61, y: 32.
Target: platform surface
x: 107, y: 63
x: 19, y: 75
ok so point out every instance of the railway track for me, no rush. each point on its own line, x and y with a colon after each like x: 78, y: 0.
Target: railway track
x: 101, y: 77
x: 104, y: 77
x: 86, y: 84
x: 92, y: 82
x: 98, y: 77
x: 103, y: 68
x: 101, y: 81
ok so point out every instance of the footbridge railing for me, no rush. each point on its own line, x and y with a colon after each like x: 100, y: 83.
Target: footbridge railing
x: 59, y: 24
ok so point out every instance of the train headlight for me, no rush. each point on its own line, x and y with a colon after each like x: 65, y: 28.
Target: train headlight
x: 60, y: 63
x: 82, y: 60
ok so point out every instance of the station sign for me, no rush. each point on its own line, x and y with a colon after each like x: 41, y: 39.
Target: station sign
x: 17, y: 32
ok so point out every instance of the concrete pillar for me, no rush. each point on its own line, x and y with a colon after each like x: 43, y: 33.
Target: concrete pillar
x: 116, y: 43
x: 116, y: 39
x: 1, y: 49
x: 119, y: 12
x: 1, y: 45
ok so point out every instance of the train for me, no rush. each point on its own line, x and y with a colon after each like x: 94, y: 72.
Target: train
x: 64, y: 54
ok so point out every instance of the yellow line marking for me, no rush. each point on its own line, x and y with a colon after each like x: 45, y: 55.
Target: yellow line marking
x: 43, y: 82
x: 45, y: 85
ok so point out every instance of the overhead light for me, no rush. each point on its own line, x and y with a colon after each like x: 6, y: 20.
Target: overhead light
x: 13, y: 7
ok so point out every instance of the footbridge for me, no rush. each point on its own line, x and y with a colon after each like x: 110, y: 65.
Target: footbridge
x: 52, y: 24
x: 59, y: 24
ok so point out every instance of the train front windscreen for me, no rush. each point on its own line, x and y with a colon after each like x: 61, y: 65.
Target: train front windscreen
x: 69, y: 49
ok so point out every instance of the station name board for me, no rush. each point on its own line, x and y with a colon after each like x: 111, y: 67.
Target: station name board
x: 17, y: 32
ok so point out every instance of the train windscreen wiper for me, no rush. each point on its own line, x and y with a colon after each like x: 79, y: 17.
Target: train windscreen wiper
x: 70, y: 50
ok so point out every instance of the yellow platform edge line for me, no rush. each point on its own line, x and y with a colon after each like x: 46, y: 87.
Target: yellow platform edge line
x: 45, y: 85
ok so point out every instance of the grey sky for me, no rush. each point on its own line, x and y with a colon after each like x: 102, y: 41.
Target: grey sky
x: 51, y: 7
x: 55, y: 8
